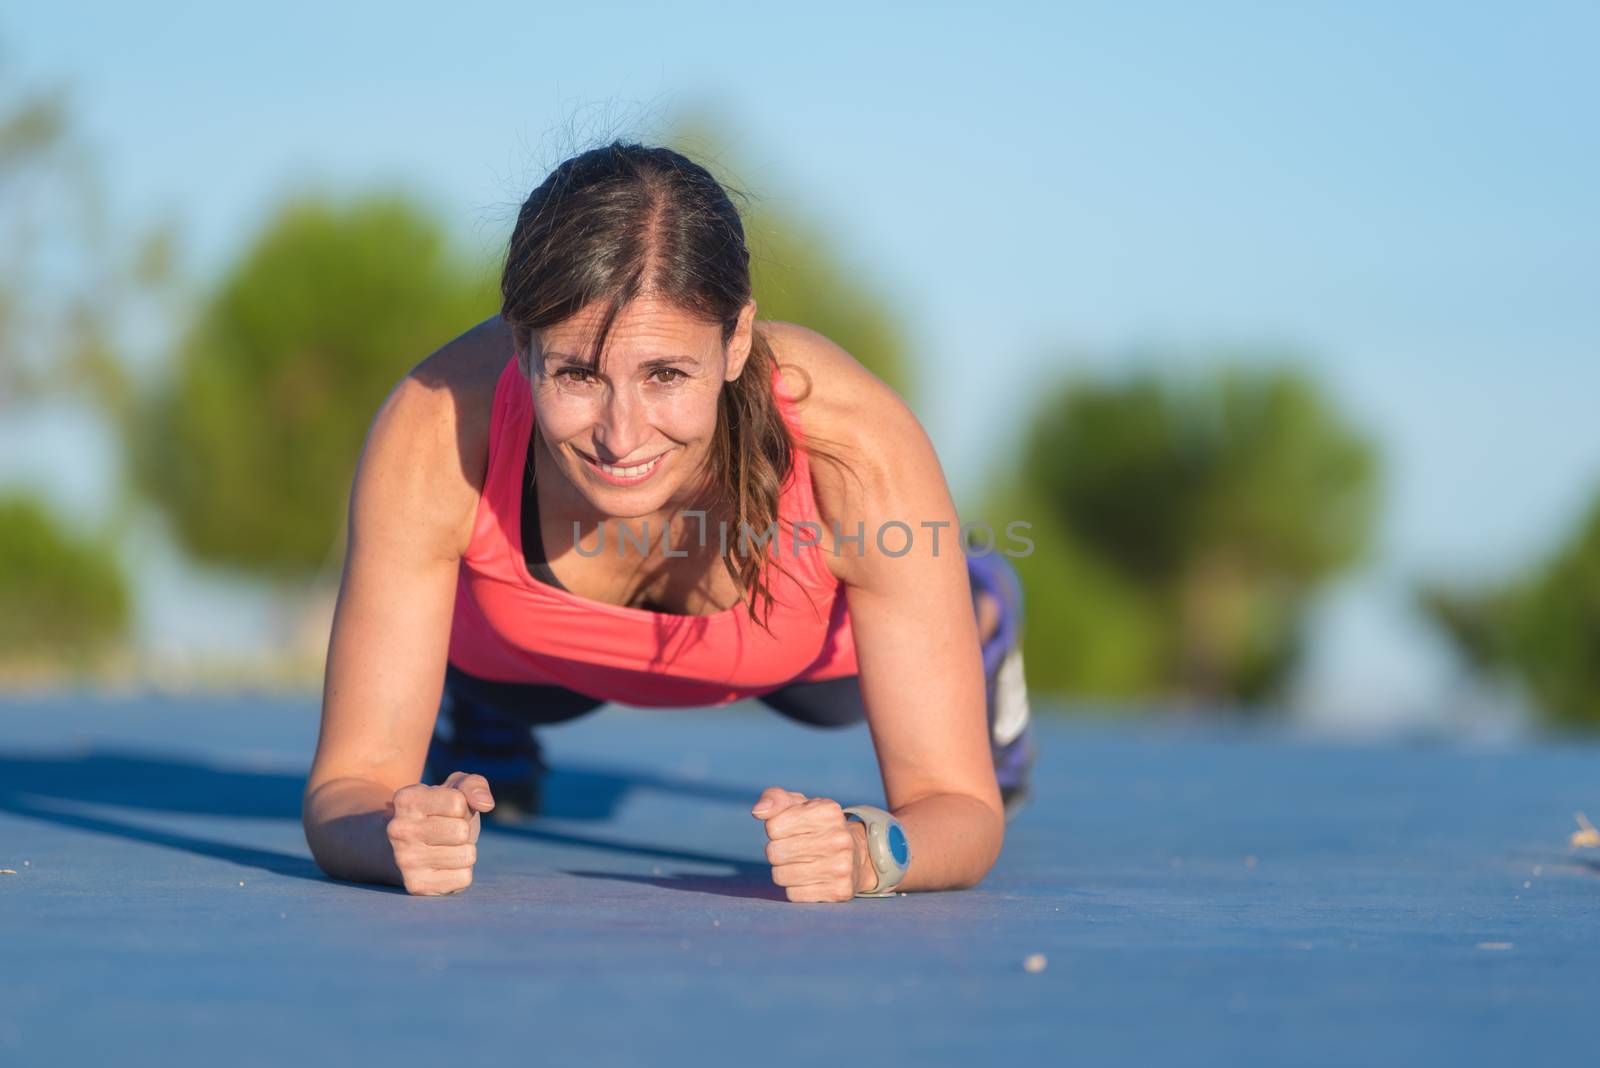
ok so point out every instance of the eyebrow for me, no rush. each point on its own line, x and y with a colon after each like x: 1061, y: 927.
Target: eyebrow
x: 568, y: 358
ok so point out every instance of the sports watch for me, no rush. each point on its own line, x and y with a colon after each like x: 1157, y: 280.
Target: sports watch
x: 886, y: 846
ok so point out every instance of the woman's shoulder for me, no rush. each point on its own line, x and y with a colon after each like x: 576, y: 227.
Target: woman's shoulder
x: 459, y: 377
x: 431, y: 435
x: 875, y: 446
x: 836, y: 394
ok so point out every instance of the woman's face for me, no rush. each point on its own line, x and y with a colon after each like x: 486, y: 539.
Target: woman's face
x: 634, y: 432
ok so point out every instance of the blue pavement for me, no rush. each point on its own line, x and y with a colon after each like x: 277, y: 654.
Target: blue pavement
x: 1200, y: 895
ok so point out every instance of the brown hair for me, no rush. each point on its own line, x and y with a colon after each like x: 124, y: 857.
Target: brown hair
x: 625, y: 220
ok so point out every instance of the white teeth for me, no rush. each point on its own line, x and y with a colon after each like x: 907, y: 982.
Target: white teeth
x: 628, y: 472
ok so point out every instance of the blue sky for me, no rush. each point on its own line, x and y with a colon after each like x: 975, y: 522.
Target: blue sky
x: 1402, y: 194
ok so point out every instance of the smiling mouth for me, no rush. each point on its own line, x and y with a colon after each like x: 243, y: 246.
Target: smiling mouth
x: 624, y: 471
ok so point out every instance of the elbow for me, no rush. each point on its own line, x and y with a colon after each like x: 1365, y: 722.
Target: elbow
x: 994, y: 839
x: 989, y: 839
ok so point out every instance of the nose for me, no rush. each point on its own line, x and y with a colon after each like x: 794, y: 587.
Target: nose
x: 621, y: 428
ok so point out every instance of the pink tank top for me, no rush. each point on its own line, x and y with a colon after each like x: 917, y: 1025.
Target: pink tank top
x: 510, y: 627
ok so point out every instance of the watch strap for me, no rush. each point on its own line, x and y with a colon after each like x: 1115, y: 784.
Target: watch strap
x: 887, y: 848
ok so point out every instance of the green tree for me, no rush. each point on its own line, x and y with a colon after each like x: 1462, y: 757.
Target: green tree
x: 797, y: 271
x: 66, y: 277
x: 1542, y: 628
x: 62, y: 596
x: 1204, y: 510
x: 44, y: 194
x: 1087, y: 630
x: 250, y: 445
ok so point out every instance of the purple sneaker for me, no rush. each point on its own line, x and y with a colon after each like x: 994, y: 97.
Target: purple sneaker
x: 1010, y: 728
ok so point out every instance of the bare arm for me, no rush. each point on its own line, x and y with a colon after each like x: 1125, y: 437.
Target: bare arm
x: 411, y: 510
x: 915, y: 633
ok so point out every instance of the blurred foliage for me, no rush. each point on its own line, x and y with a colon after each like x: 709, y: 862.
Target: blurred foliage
x: 1182, y: 524
x: 798, y: 273
x: 1087, y: 630
x: 61, y: 596
x: 1542, y: 628
x: 41, y: 187
x: 66, y: 279
x: 66, y: 276
x: 250, y: 445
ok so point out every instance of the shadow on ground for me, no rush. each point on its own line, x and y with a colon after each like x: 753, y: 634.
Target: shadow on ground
x: 59, y: 788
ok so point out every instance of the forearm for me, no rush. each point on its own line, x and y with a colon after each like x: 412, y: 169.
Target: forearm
x: 347, y: 827
x: 954, y: 840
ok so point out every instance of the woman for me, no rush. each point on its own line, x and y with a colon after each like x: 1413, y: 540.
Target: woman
x: 613, y: 491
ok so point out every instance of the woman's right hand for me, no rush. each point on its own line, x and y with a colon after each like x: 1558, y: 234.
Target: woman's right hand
x: 434, y: 832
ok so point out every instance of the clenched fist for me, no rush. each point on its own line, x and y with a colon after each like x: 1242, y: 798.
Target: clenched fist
x: 816, y: 854
x: 434, y: 832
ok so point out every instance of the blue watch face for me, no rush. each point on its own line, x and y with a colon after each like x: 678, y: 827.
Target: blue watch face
x: 898, y: 847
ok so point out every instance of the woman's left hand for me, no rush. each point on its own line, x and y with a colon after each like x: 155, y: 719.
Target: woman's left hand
x: 816, y: 854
